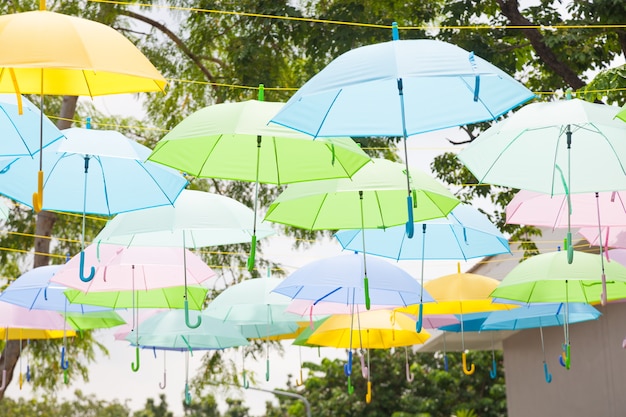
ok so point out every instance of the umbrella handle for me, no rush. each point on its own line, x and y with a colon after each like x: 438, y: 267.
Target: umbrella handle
x: 187, y: 394
x: 466, y: 370
x: 364, y: 369
x: 493, y: 372
x: 187, y: 322
x: 368, y: 396
x: 366, y: 289
x: 409, y: 375
x: 92, y: 270
x: 570, y: 248
x: 546, y: 374
x: 350, y: 386
x: 347, y: 368
x: 28, y: 375
x: 66, y: 377
x: 21, y: 380
x: 246, y: 383
x: 38, y: 195
x: 267, y: 370
x: 64, y: 363
x: 420, y: 318
x: 135, y: 365
x: 445, y: 362
x: 603, y: 296
x: 410, y: 227
x: 564, y: 358
x: 300, y: 382
x: 164, y: 384
x: 4, y: 379
x: 252, y: 254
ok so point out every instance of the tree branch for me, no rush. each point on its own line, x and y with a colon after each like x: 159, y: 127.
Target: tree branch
x: 510, y: 9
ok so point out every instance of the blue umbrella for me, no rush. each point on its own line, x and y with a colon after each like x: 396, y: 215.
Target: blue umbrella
x: 401, y: 88
x: 115, y: 177
x: 465, y: 233
x: 20, y: 132
x: 541, y: 315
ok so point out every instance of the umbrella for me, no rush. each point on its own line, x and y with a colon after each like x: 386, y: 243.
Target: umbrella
x: 608, y: 237
x: 20, y: 132
x: 235, y: 141
x: 459, y: 293
x: 115, y: 177
x: 587, y: 209
x: 401, y: 88
x: 94, y: 320
x: 252, y: 302
x: 34, y: 291
x: 49, y: 53
x: 368, y: 200
x: 549, y: 278
x: 575, y: 147
x: 339, y: 280
x: 540, y: 315
x: 465, y: 233
x: 197, y: 219
x: 621, y: 114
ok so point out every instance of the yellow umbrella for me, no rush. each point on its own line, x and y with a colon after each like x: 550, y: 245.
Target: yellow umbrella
x: 373, y: 329
x: 460, y: 293
x: 47, y: 53
x: 32, y: 334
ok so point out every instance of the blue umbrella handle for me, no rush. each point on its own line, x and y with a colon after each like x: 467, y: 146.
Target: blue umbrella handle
x: 64, y: 363
x: 347, y: 368
x: 38, y: 195
x: 493, y: 372
x: 445, y: 362
x: 546, y: 374
x: 366, y: 289
x: 187, y: 322
x: 28, y: 375
x: 92, y: 271
x: 410, y: 227
x: 135, y: 365
x: 252, y: 254
x: 570, y: 248
x: 420, y: 318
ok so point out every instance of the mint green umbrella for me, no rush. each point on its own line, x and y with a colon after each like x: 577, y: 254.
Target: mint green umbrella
x: 549, y: 278
x: 373, y: 198
x: 236, y: 141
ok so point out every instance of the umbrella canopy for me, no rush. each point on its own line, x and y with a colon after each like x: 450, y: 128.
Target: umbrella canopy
x: 471, y: 322
x: 339, y: 280
x: 621, y: 114
x: 94, y: 320
x: 305, y: 307
x: 376, y: 329
x: 121, y: 268
x: 548, y: 277
x: 371, y: 199
x: 273, y: 331
x: 539, y: 315
x: 34, y: 291
x: 608, y: 237
x: 167, y: 329
x: 588, y: 209
x: 224, y: 141
x: 21, y: 333
x: 252, y: 301
x: 465, y: 233
x: 16, y: 317
x: 94, y: 171
x: 55, y: 54
x: 197, y: 219
x: 20, y: 132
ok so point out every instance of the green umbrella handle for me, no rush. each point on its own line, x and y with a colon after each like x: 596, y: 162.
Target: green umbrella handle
x: 420, y: 318
x: 366, y: 289
x: 410, y: 227
x: 187, y: 322
x: 135, y: 365
x: 570, y: 248
x: 187, y: 394
x: 66, y: 377
x: 252, y: 254
x: 350, y: 386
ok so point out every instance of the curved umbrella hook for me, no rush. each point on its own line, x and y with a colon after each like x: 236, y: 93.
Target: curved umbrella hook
x: 64, y: 363
x: 38, y: 195
x: 187, y: 322
x: 347, y: 368
x: 187, y: 394
x: 135, y: 365
x: 364, y: 368
x: 493, y: 372
x: 164, y: 384
x: 409, y: 375
x: 368, y: 396
x: 92, y: 270
x: 350, y: 386
x: 466, y: 370
x: 546, y: 374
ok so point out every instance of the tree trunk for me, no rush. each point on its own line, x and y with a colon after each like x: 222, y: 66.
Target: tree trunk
x: 43, y: 231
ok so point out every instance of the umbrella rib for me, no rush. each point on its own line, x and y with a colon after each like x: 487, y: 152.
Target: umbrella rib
x: 207, y: 154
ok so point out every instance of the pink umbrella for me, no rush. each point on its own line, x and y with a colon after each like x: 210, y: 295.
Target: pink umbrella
x: 609, y: 236
x: 587, y: 209
x: 121, y: 268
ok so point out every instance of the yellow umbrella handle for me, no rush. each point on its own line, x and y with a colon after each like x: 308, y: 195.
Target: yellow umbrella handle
x: 368, y: 396
x: 38, y: 196
x: 466, y: 370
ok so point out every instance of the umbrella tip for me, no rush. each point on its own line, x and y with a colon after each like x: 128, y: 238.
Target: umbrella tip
x: 394, y: 31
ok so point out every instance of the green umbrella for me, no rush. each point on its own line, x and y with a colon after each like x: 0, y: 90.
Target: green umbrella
x: 236, y: 141
x: 622, y: 114
x: 94, y: 320
x: 549, y: 278
x: 373, y: 198
x: 167, y: 297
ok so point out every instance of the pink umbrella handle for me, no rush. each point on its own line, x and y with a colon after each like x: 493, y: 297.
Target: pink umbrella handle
x: 4, y: 379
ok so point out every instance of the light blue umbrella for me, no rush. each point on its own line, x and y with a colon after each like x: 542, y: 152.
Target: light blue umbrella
x: 401, y: 88
x: 465, y: 233
x: 541, y: 315
x: 34, y: 291
x: 108, y: 167
x: 20, y: 132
